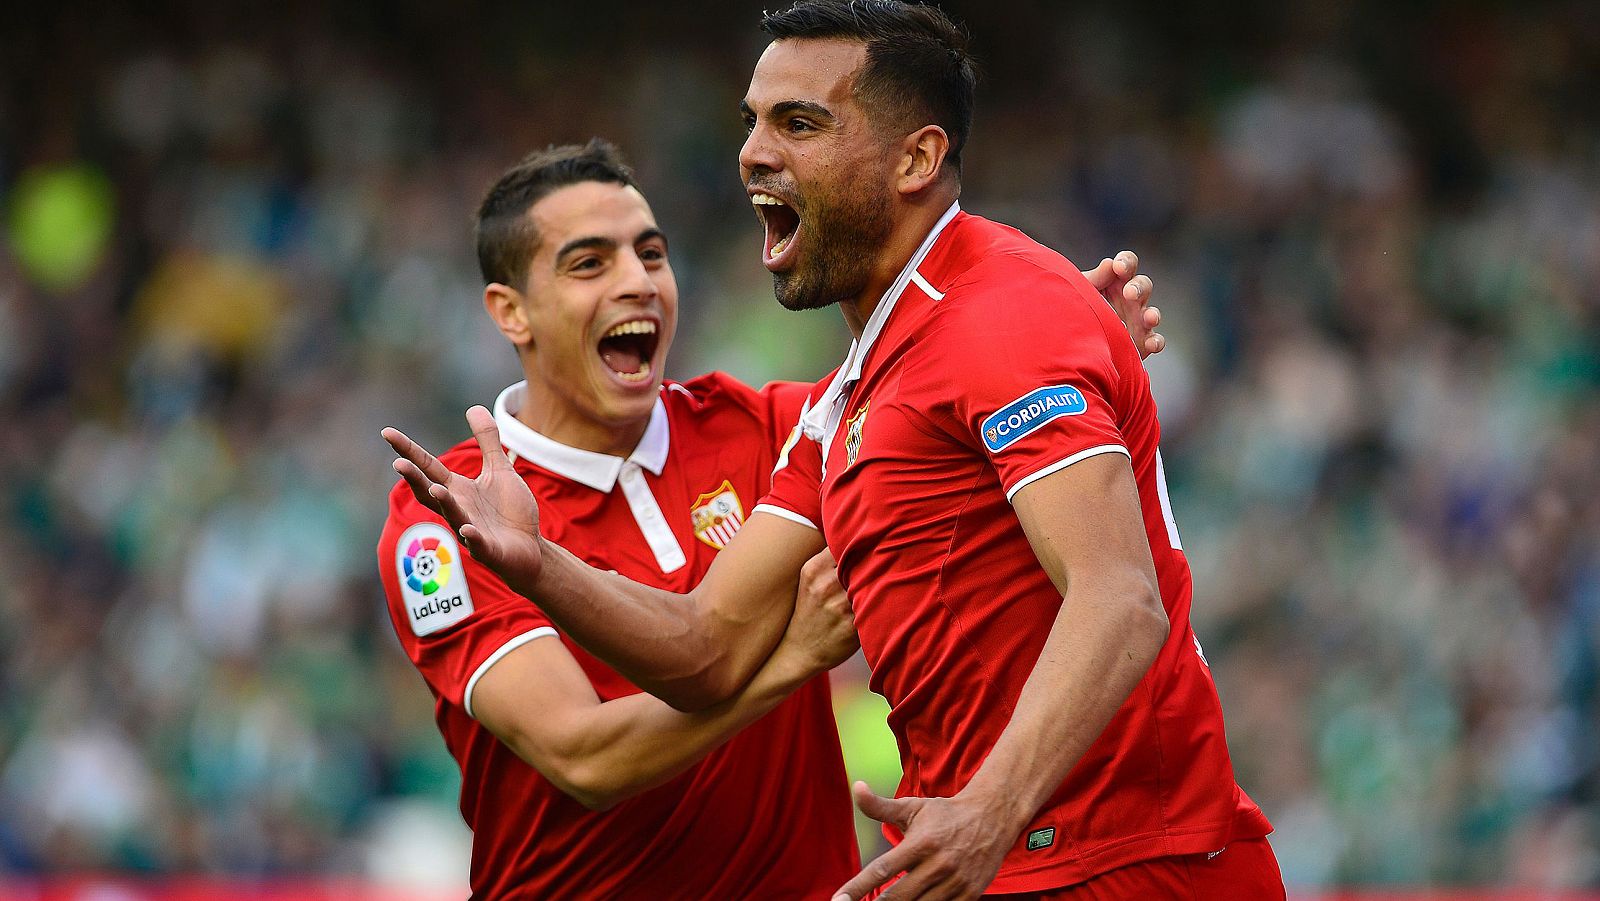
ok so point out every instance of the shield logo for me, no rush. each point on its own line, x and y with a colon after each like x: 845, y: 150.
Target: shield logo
x: 717, y: 515
x: 852, y: 434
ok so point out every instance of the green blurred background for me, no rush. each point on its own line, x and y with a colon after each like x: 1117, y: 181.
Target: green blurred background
x: 237, y: 242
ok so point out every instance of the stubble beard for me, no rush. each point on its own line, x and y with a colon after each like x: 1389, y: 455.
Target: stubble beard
x: 845, y: 231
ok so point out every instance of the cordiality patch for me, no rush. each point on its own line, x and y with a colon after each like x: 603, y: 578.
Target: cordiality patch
x: 1030, y: 411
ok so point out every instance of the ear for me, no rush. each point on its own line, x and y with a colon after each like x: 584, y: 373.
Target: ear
x: 504, y: 305
x: 922, y: 159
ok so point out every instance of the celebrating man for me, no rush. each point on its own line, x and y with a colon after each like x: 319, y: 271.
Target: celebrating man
x: 984, y: 467
x: 574, y: 782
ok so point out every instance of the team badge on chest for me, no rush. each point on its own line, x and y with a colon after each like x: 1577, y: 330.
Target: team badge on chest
x: 852, y: 435
x: 717, y: 515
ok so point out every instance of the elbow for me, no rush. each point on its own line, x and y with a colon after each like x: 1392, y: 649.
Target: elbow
x: 1148, y: 626
x: 584, y: 780
x: 571, y: 766
x: 593, y: 793
x: 714, y: 681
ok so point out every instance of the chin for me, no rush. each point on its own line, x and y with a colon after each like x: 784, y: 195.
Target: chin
x: 796, y: 293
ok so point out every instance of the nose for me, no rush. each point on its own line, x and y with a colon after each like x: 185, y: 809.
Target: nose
x: 758, y: 155
x: 633, y: 280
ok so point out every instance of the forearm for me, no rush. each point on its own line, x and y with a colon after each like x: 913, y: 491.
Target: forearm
x: 629, y: 745
x: 1099, y: 648
x: 658, y: 639
x: 691, y: 650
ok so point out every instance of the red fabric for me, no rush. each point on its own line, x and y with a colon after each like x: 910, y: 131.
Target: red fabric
x: 1246, y: 870
x: 766, y: 814
x: 951, y: 604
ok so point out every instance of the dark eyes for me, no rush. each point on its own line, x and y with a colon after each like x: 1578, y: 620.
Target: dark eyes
x: 793, y: 126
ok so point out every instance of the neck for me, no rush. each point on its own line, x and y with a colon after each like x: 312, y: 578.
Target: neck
x: 550, y: 414
x: 917, y: 219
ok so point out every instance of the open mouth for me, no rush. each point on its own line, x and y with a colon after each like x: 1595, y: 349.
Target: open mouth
x: 782, y: 224
x: 627, y: 349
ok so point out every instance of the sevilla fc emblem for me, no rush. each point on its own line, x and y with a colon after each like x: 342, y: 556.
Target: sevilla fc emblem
x: 717, y: 515
x: 852, y: 435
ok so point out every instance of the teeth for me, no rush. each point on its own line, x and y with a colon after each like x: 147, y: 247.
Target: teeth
x: 765, y: 200
x: 642, y: 375
x: 782, y: 243
x: 636, y: 327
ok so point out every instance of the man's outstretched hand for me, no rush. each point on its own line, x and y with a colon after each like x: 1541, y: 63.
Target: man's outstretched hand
x: 951, y: 850
x: 494, y: 514
x: 1119, y: 282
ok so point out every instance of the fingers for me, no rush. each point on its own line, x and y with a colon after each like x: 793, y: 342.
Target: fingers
x: 895, y: 811
x: 821, y: 563
x: 1126, y: 264
x: 419, y: 484
x: 448, y: 506
x: 488, y: 435
x: 819, y: 577
x: 1154, y: 344
x: 1101, y: 276
x: 874, y: 874
x: 1152, y: 317
x: 417, y: 454
x: 1138, y: 289
x: 924, y: 883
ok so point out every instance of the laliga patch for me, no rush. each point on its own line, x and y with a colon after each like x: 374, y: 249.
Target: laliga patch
x: 1030, y: 411
x: 433, y: 581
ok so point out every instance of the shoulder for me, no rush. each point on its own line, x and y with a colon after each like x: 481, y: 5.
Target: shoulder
x: 720, y: 402
x: 998, y: 264
x: 993, y: 278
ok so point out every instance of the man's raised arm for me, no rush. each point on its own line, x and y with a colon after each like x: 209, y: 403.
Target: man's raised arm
x: 689, y: 650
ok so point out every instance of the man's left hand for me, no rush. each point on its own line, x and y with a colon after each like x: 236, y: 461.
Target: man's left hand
x: 1119, y: 282
x: 952, y: 848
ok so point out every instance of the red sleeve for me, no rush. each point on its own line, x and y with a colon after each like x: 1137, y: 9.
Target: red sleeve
x: 454, y: 617
x: 796, y: 492
x: 1022, y: 369
x: 783, y: 402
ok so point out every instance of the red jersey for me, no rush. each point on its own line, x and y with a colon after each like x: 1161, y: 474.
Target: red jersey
x: 992, y: 363
x: 767, y: 814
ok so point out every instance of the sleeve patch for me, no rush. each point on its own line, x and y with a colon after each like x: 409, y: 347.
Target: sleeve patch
x: 433, y: 578
x: 1030, y: 411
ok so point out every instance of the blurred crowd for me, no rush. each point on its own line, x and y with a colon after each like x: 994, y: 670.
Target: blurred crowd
x: 235, y: 243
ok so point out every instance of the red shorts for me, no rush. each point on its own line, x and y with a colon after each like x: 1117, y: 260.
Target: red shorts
x: 1246, y: 870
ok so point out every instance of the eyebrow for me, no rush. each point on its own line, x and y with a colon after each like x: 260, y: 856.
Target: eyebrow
x: 598, y: 242
x: 785, y: 107
x: 594, y: 242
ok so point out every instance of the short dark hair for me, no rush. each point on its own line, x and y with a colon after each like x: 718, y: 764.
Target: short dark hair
x: 918, y: 62
x: 506, y: 237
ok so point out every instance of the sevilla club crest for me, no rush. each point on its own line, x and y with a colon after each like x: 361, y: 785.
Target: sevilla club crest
x: 717, y: 515
x: 852, y: 435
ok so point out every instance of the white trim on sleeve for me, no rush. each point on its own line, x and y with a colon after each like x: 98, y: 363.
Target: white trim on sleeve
x: 508, y: 647
x: 784, y: 513
x: 1063, y: 464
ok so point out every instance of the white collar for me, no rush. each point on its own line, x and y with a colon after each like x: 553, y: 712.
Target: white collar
x: 822, y: 420
x: 598, y: 471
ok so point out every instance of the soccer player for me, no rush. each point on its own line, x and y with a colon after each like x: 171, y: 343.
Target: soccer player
x: 984, y: 468
x: 574, y: 782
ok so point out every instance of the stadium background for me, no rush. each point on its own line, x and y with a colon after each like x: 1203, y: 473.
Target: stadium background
x: 236, y: 243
